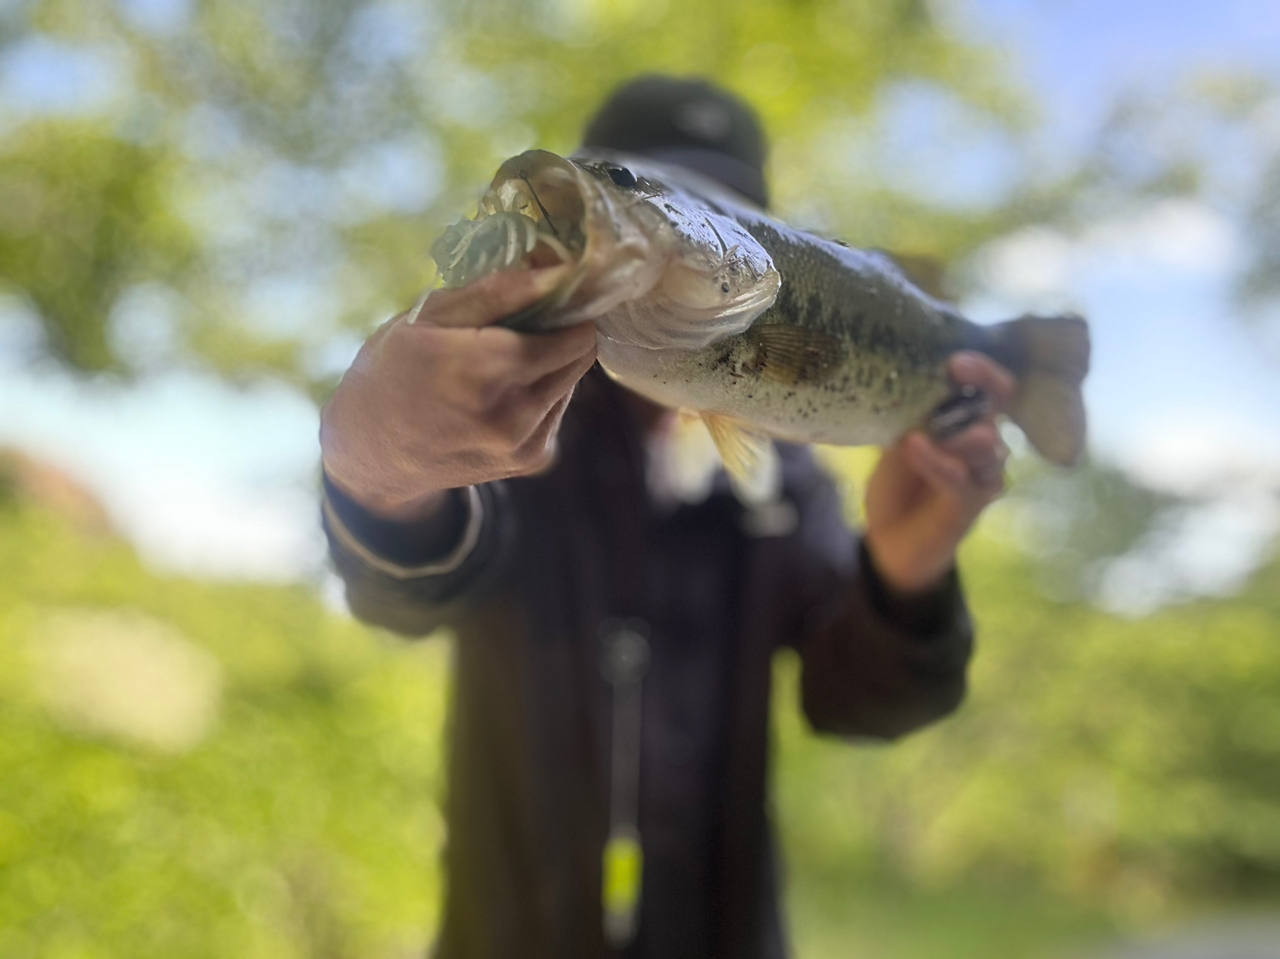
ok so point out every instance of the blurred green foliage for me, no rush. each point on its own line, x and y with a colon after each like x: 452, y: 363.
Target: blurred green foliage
x: 239, y: 149
x: 1104, y: 773
x: 301, y: 824
x: 86, y: 213
x: 323, y: 145
x: 1129, y: 762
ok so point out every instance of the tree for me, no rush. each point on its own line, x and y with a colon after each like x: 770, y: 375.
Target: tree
x: 277, y: 150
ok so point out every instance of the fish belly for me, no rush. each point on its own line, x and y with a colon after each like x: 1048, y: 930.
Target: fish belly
x: 863, y: 402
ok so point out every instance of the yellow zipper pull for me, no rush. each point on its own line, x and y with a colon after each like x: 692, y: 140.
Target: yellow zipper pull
x: 625, y: 660
x: 623, y: 869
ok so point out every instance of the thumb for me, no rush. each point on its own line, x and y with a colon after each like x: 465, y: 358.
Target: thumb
x: 490, y: 298
x: 945, y: 473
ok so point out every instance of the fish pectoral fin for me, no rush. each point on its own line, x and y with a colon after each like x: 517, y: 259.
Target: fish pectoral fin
x: 749, y: 457
x: 795, y: 354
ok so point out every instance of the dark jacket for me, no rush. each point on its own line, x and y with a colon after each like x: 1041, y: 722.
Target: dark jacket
x: 720, y: 589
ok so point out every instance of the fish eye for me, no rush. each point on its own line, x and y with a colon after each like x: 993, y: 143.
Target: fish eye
x: 621, y: 175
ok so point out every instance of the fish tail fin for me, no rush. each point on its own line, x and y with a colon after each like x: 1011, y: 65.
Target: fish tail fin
x: 1050, y: 357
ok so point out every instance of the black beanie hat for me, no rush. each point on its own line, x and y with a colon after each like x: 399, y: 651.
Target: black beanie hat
x: 691, y: 123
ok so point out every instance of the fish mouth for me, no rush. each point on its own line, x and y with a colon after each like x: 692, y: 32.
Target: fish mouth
x: 543, y: 210
x: 548, y: 191
x: 653, y: 266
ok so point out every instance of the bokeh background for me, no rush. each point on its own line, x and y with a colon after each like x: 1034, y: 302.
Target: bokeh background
x: 205, y: 205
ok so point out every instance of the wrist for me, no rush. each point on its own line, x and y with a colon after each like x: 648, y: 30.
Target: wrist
x: 903, y: 569
x: 387, y: 504
x: 921, y: 614
x: 353, y: 463
x: 412, y: 511
x: 386, y: 497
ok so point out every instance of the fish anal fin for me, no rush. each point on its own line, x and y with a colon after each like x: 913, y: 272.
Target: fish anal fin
x: 749, y: 457
x: 795, y: 354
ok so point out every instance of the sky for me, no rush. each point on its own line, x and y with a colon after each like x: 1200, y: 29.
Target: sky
x: 213, y: 480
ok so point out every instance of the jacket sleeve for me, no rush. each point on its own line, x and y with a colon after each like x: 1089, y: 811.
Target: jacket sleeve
x: 874, y: 664
x: 413, y: 579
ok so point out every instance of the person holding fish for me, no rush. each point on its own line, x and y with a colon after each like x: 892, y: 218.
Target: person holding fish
x: 497, y: 462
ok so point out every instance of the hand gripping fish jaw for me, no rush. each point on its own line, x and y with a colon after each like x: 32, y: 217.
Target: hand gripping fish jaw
x: 655, y: 267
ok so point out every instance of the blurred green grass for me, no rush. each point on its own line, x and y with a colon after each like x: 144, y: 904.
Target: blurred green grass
x: 1105, y: 775
x: 303, y: 823
x: 835, y: 916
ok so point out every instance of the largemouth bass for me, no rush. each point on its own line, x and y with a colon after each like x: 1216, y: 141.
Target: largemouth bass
x: 702, y: 301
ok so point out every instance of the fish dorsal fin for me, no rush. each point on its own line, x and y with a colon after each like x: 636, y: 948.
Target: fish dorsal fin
x: 795, y: 354
x: 749, y: 457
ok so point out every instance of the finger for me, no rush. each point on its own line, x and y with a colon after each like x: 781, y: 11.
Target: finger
x: 984, y: 454
x: 388, y: 327
x: 552, y: 387
x: 980, y: 441
x: 523, y: 413
x: 968, y: 488
x: 533, y: 356
x: 968, y: 368
x: 539, y: 449
x: 984, y: 462
x: 490, y: 298
x: 522, y: 359
x: 377, y: 340
x: 491, y: 369
x: 943, y: 472
x: 988, y: 479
